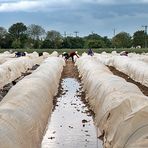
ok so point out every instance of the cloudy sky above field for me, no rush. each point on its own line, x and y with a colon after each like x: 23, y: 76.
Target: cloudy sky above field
x: 85, y: 16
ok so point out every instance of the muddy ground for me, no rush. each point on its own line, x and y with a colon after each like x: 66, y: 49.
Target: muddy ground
x: 71, y: 123
x: 71, y: 71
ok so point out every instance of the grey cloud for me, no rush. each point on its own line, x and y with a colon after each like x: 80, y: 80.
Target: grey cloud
x: 44, y: 5
x: 84, y: 16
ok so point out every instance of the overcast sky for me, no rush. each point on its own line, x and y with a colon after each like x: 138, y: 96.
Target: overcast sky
x: 84, y: 16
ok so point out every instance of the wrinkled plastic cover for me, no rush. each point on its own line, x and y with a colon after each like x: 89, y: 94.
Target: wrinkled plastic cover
x: 121, y: 109
x: 24, y: 111
x: 12, y: 69
x: 134, y: 68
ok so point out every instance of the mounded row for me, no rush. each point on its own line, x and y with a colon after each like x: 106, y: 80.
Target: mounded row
x: 25, y: 110
x: 12, y: 69
x: 120, y: 107
x: 135, y: 69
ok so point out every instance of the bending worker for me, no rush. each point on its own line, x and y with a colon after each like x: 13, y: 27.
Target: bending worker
x: 72, y: 54
x: 65, y: 55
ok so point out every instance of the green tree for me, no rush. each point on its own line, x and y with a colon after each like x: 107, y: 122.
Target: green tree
x: 54, y: 38
x: 73, y: 42
x: 35, y: 31
x: 3, y: 33
x: 17, y: 30
x: 16, y: 44
x: 139, y: 38
x: 122, y: 40
x: 67, y: 42
x: 35, y: 34
x: 18, y: 34
x: 93, y: 36
x: 107, y: 42
x: 94, y: 41
x: 7, y: 42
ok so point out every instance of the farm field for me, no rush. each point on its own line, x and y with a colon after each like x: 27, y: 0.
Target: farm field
x: 72, y: 119
x: 73, y: 74
x: 52, y: 103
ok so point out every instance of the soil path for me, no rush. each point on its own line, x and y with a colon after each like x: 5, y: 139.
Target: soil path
x: 143, y: 88
x: 70, y: 71
x: 71, y: 124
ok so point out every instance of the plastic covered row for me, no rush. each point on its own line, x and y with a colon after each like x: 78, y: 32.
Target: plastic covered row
x: 136, y: 69
x: 13, y: 69
x: 121, y: 109
x: 25, y: 110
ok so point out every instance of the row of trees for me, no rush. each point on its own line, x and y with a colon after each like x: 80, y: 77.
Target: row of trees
x: 124, y: 40
x: 34, y: 36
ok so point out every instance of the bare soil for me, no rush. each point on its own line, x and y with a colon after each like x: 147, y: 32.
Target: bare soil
x: 71, y: 71
x: 71, y: 120
x: 143, y: 88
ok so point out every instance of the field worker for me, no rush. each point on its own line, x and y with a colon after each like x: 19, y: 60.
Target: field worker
x: 124, y: 53
x: 19, y: 54
x: 72, y: 54
x: 40, y: 54
x: 65, y: 55
x: 90, y: 52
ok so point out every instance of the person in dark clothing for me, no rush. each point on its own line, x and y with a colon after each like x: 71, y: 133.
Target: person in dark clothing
x: 40, y: 54
x: 72, y: 54
x: 90, y: 52
x: 19, y: 54
x: 23, y: 54
x: 65, y: 55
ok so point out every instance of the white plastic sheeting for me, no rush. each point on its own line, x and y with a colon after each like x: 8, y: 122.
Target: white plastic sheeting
x: 32, y: 55
x: 5, y: 57
x: 40, y: 59
x: 120, y: 107
x: 13, y: 69
x: 141, y: 57
x: 54, y: 54
x: 24, y: 111
x: 136, y: 69
x: 7, y: 54
x: 104, y: 58
x: 46, y: 54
